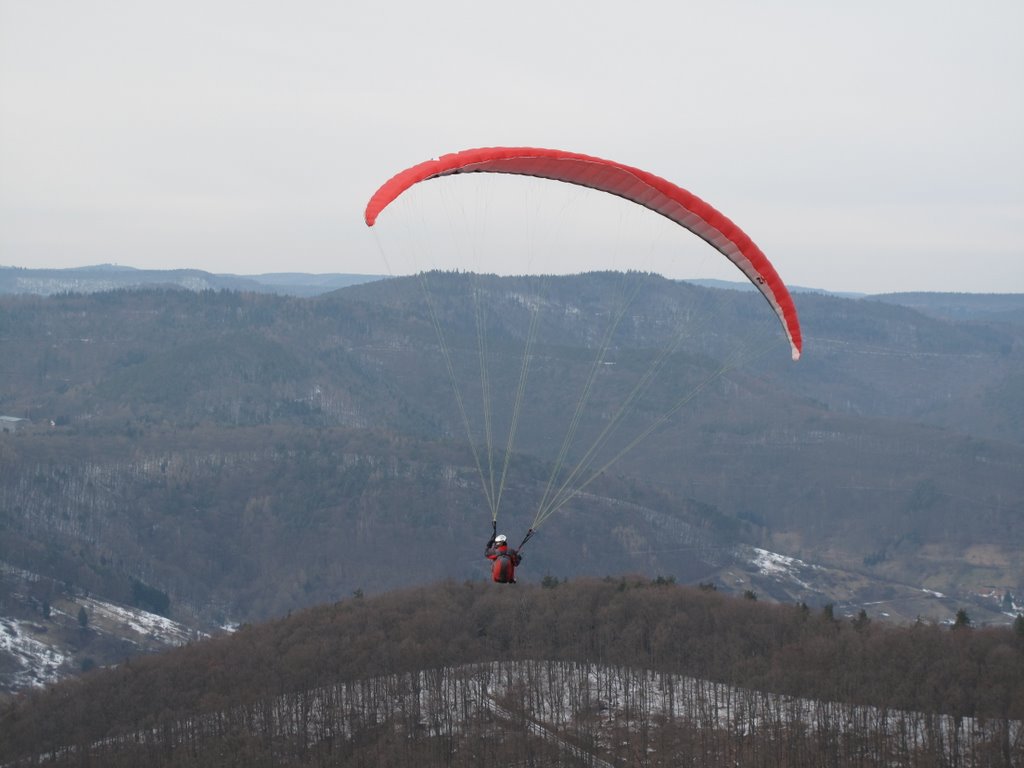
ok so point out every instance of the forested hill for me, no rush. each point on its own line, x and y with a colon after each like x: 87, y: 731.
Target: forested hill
x: 578, y: 672
x: 242, y: 454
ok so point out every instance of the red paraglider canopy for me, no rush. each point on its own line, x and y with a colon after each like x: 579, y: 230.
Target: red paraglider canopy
x: 633, y: 184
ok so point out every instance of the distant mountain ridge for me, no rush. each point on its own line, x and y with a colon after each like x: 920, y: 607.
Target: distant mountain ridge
x: 108, y: 277
x: 946, y: 304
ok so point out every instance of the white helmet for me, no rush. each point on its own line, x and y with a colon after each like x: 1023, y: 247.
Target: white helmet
x: 501, y: 538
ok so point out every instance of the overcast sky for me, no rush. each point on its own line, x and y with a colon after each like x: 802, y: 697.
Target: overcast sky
x: 870, y: 146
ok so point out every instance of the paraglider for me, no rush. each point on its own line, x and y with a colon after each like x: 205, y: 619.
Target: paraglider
x: 633, y: 184
x: 505, y: 560
x: 638, y: 187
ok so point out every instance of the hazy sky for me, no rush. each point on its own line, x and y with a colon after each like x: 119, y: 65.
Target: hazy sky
x: 866, y: 146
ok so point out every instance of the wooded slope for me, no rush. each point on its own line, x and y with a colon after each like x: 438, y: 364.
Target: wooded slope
x: 627, y: 623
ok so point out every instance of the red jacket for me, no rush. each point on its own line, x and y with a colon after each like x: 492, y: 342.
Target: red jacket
x: 505, y: 562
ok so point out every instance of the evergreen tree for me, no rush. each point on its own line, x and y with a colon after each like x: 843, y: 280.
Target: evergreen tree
x: 962, y: 619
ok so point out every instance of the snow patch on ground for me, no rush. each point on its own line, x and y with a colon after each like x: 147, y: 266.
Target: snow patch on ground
x: 36, y: 662
x: 38, y: 649
x: 149, y: 625
x: 780, y: 566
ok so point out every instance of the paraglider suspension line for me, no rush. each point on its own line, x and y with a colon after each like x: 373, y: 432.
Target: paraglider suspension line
x: 526, y: 538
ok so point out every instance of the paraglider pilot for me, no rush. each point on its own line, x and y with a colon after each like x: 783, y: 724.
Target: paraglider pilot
x: 505, y: 560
